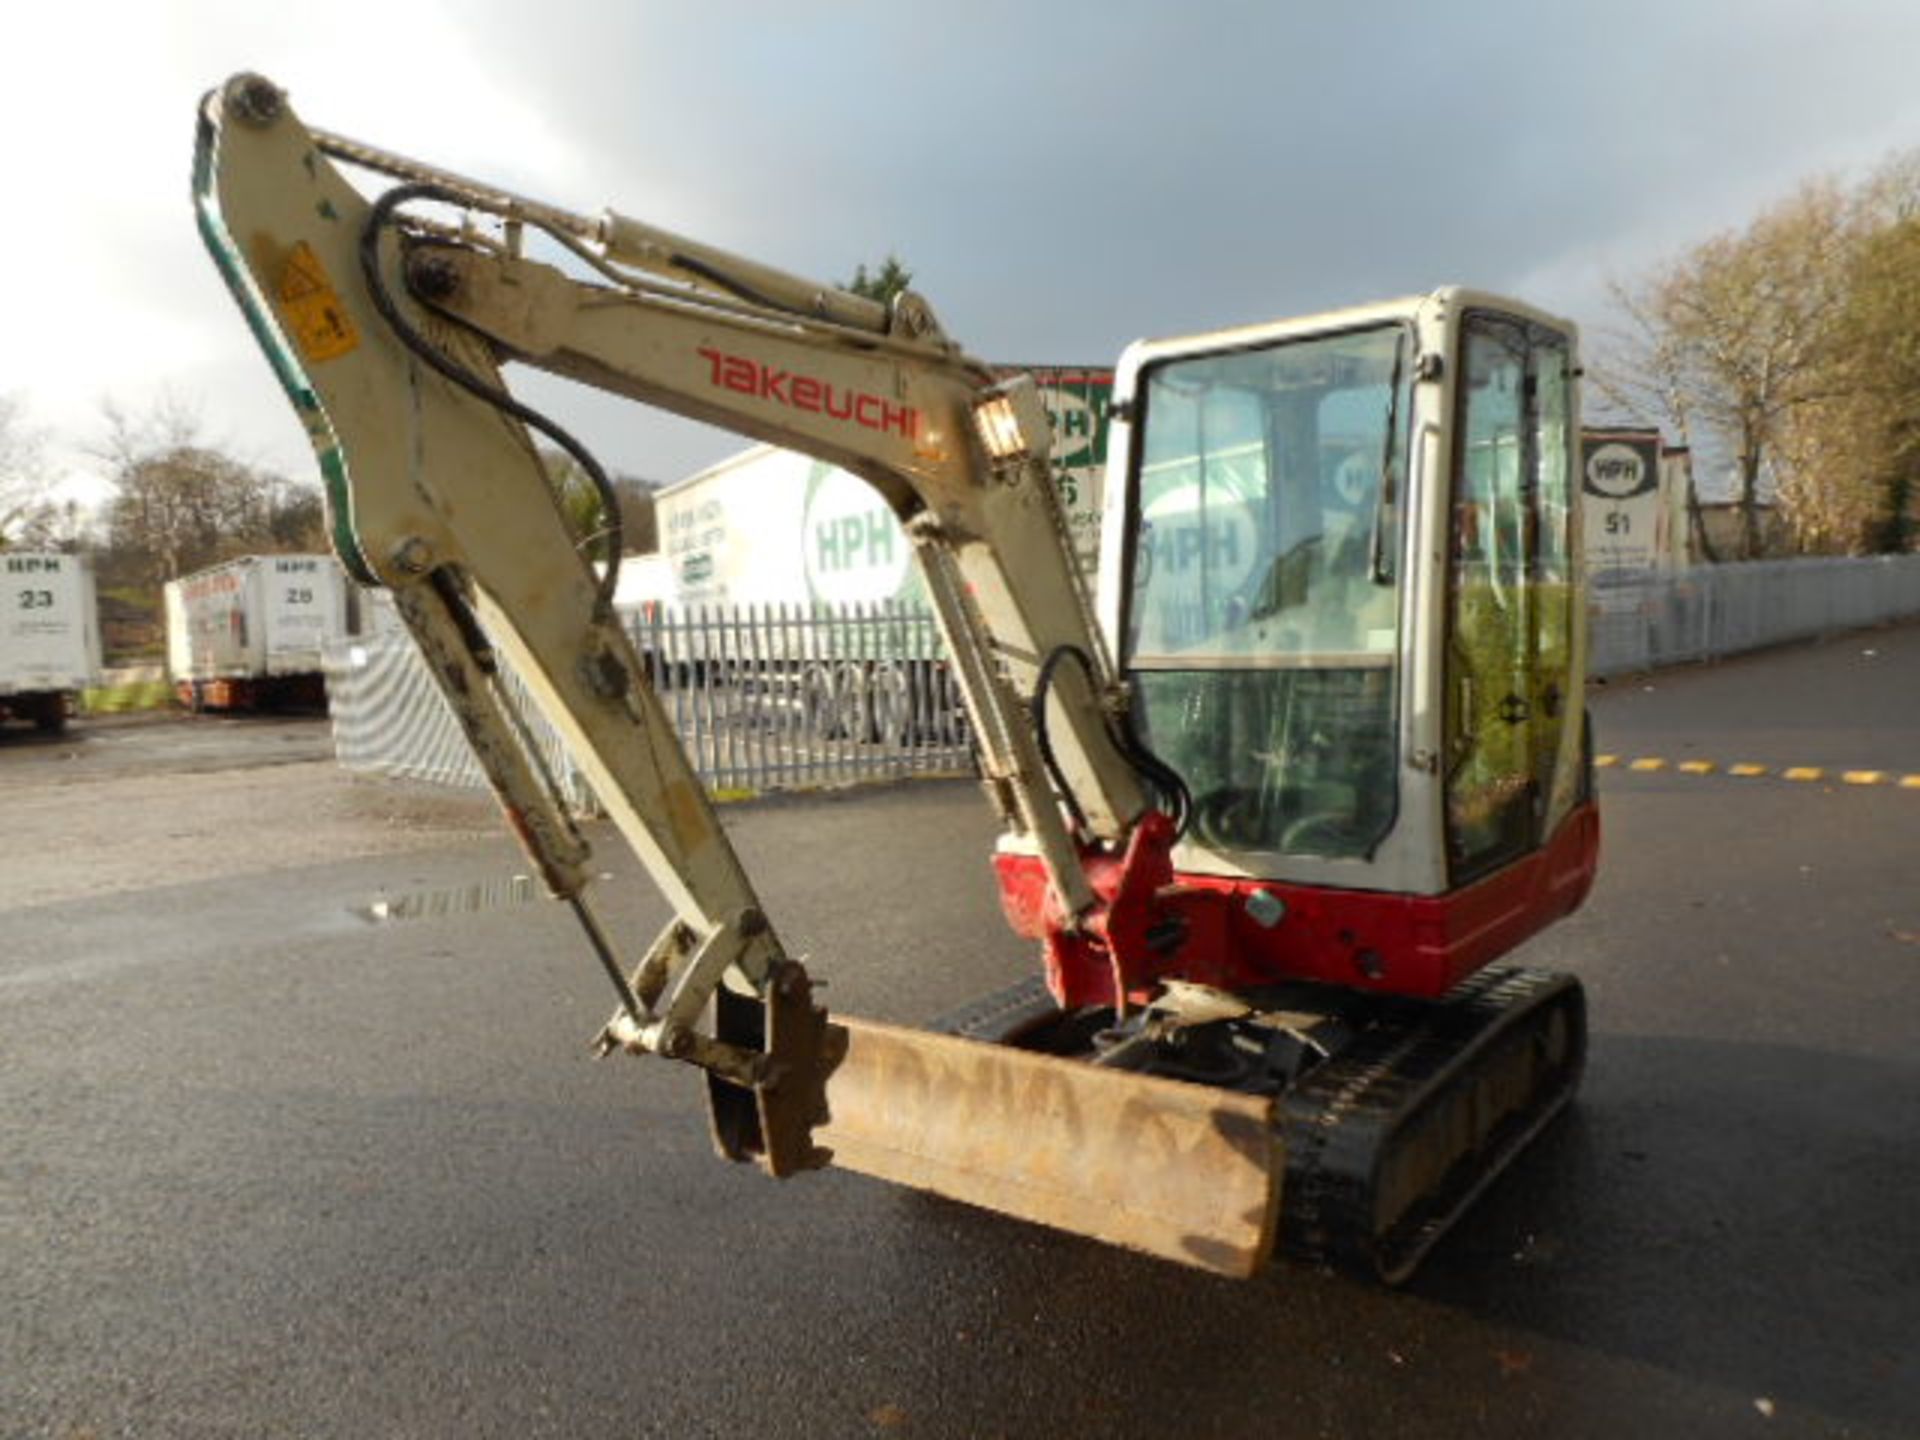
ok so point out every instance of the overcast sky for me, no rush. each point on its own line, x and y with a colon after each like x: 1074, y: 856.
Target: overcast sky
x: 1061, y: 178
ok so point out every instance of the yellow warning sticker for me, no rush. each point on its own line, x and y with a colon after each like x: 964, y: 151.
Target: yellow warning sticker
x: 319, y: 321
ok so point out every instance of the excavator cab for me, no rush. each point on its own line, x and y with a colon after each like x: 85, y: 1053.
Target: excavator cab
x: 1337, y: 576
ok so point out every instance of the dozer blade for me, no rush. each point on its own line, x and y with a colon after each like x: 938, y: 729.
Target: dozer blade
x: 1176, y: 1170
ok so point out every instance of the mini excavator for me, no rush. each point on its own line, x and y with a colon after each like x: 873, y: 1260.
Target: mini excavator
x: 1277, y: 790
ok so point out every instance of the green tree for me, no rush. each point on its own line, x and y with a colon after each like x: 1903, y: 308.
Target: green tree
x: 579, y: 498
x: 1856, y: 477
x: 581, y: 505
x: 883, y: 284
x: 1884, y: 356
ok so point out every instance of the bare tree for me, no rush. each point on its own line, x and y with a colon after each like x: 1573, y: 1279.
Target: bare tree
x: 27, y: 510
x: 1725, y: 343
x: 1786, y: 351
x: 180, y: 503
x: 1639, y: 376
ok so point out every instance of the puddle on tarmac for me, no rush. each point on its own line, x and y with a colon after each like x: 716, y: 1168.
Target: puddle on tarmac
x: 450, y: 900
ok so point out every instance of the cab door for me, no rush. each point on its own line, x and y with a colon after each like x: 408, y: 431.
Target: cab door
x: 1512, y: 714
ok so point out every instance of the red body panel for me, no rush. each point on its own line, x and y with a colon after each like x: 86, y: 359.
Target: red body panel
x: 1416, y: 945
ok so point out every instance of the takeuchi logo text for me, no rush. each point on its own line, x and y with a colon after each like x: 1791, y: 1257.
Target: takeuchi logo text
x: 805, y: 392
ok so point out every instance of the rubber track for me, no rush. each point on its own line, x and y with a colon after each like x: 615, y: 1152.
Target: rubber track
x: 1001, y: 1016
x: 1339, y: 1121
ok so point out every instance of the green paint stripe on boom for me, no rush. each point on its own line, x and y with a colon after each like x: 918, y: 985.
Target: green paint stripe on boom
x: 293, y: 379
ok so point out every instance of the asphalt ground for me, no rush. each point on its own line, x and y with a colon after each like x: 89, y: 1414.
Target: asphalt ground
x: 271, y: 1164
x: 100, y: 747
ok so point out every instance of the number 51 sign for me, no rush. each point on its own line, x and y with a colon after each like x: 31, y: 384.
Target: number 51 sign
x: 1621, y: 509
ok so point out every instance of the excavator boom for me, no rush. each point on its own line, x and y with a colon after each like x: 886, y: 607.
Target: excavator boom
x: 388, y: 331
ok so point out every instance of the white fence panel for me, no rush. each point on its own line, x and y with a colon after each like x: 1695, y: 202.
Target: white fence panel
x: 389, y: 718
x: 763, y: 697
x: 1714, y: 610
x: 781, y: 697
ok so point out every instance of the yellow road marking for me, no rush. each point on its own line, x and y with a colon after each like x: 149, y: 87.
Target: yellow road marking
x: 1745, y: 770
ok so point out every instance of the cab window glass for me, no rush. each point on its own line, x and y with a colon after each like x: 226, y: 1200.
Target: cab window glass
x: 1264, y: 612
x: 1510, y: 631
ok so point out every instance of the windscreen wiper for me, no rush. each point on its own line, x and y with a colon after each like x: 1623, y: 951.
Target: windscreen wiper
x: 1377, y: 569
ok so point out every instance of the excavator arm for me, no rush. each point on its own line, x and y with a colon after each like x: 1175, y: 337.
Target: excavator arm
x: 388, y: 321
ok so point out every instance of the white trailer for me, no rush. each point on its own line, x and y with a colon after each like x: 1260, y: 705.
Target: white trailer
x: 772, y: 532
x: 248, y: 634
x: 773, y: 527
x: 49, y: 636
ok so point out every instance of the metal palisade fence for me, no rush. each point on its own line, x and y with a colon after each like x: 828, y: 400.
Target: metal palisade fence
x: 779, y: 696
x: 784, y: 697
x: 763, y: 697
x: 1644, y: 621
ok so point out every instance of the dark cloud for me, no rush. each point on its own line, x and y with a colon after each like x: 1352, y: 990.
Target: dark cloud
x: 1064, y: 178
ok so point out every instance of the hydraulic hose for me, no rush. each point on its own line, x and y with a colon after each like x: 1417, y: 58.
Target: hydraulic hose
x: 1171, y: 795
x: 612, y: 526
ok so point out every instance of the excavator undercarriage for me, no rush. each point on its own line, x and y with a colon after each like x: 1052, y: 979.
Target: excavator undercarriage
x: 1387, y: 1116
